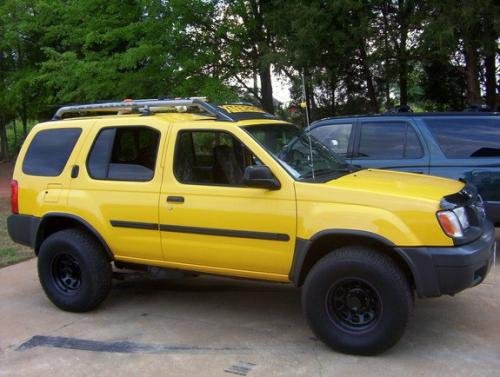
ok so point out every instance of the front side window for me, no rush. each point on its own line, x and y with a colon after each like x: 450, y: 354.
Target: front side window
x: 206, y: 157
x: 49, y: 151
x: 466, y: 137
x: 388, y: 141
x: 334, y: 136
x: 300, y: 154
x: 124, y: 154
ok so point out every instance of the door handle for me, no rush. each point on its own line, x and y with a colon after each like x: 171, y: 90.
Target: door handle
x: 175, y: 199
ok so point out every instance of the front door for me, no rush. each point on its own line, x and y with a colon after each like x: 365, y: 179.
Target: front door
x: 211, y: 222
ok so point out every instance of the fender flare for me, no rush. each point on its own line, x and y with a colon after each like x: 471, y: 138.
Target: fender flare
x: 80, y: 221
x: 303, y: 247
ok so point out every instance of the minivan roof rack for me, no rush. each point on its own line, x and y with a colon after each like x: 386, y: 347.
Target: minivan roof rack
x: 145, y: 106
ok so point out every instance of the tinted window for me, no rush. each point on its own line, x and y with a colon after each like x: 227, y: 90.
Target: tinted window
x: 391, y: 140
x: 49, y: 151
x: 207, y: 157
x: 466, y: 137
x: 124, y: 154
x: 334, y: 136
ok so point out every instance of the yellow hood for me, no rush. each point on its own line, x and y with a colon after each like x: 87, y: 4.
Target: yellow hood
x: 388, y: 182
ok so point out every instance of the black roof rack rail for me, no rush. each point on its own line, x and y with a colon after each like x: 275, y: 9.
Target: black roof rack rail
x: 144, y: 107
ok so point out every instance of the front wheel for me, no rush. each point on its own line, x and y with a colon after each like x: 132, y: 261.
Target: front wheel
x: 357, y: 301
x: 74, y: 270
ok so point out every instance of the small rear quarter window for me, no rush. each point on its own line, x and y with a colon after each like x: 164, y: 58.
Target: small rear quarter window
x: 49, y: 151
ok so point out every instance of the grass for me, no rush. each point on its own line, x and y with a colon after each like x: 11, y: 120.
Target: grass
x: 10, y: 252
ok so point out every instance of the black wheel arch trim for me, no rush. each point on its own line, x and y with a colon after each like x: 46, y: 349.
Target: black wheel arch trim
x: 303, y: 246
x: 78, y: 219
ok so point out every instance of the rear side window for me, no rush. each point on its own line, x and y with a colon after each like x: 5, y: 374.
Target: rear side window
x: 466, y: 137
x: 334, y: 136
x: 124, y: 154
x: 387, y: 141
x: 49, y: 151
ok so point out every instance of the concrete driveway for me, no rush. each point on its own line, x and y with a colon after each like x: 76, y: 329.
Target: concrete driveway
x: 210, y: 326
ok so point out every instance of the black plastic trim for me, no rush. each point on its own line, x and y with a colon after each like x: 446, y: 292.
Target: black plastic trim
x: 225, y: 232
x: 302, y: 247
x: 133, y: 225
x: 84, y: 223
x: 449, y: 270
x: 23, y: 229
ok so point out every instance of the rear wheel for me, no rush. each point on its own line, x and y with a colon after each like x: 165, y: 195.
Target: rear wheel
x: 74, y: 270
x: 357, y: 301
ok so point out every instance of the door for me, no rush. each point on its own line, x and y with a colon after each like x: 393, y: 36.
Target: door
x: 337, y: 137
x: 390, y: 144
x: 117, y: 188
x: 468, y: 147
x: 211, y: 222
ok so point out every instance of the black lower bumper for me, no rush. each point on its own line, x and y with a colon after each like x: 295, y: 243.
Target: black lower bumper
x: 449, y: 270
x: 23, y: 229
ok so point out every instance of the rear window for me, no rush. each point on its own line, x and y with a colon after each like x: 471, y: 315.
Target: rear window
x: 466, y: 137
x: 49, y: 151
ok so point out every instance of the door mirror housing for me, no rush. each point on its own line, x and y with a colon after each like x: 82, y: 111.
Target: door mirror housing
x: 260, y: 176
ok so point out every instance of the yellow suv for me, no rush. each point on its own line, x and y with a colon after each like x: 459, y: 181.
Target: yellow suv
x: 186, y: 185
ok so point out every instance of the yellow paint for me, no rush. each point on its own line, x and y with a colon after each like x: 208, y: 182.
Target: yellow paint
x: 400, y: 207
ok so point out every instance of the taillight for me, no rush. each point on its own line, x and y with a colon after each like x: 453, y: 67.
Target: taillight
x: 14, y: 196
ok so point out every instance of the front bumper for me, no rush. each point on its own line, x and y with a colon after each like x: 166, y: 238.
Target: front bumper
x: 448, y: 270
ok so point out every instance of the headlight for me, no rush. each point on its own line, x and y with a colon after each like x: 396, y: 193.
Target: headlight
x: 450, y: 224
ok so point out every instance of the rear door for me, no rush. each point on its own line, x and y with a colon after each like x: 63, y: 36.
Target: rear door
x: 118, y: 184
x: 390, y: 144
x: 468, y: 147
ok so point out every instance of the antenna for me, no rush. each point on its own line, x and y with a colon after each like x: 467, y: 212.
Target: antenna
x: 307, y: 124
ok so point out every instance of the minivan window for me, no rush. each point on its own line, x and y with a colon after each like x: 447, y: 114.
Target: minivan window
x: 466, y: 137
x: 124, y: 154
x: 49, y: 151
x: 389, y: 140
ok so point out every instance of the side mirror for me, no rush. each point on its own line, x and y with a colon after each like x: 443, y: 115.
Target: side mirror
x: 260, y: 176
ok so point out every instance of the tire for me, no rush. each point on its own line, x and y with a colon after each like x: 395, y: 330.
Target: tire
x: 74, y: 270
x: 357, y: 301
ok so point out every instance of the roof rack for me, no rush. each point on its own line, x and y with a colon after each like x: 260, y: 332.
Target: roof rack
x: 144, y: 107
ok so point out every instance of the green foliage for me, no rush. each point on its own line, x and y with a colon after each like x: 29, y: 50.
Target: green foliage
x: 357, y: 56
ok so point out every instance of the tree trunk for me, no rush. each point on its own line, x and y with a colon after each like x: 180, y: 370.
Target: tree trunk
x: 333, y: 87
x: 403, y: 54
x: 4, y: 153
x: 24, y: 118
x: 472, y: 75
x: 266, y: 89
x: 491, y: 84
x: 15, y: 131
x: 372, y: 96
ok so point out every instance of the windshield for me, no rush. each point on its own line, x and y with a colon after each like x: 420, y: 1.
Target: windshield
x: 303, y: 156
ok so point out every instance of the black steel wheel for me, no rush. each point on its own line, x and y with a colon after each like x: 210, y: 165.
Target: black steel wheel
x: 66, y: 273
x: 74, y: 270
x: 354, y: 305
x: 357, y: 300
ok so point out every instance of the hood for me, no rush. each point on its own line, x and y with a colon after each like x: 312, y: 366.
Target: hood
x: 401, y: 184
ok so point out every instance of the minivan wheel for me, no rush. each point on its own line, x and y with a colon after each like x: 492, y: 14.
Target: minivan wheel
x: 74, y: 270
x: 357, y: 301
